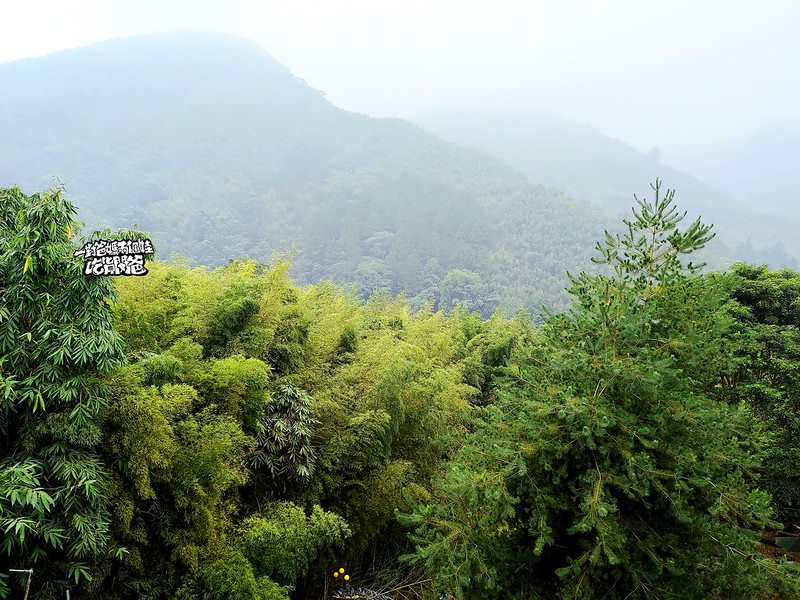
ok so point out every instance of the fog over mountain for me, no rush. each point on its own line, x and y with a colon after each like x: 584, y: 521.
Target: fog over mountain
x: 750, y: 186
x: 686, y: 76
x: 218, y: 151
x: 760, y: 167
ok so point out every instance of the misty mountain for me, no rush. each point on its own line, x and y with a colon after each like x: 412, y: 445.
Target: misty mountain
x: 762, y: 168
x: 590, y: 166
x: 218, y: 151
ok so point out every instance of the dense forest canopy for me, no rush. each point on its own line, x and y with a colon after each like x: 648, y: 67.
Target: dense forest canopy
x: 227, y: 433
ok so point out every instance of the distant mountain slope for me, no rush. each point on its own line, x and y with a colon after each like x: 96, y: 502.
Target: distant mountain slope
x: 762, y: 168
x: 219, y: 151
x: 590, y: 166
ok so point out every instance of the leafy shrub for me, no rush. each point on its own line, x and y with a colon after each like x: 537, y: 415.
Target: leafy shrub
x: 282, y: 541
x: 229, y: 576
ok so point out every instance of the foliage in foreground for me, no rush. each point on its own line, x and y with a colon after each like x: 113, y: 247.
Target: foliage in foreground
x: 251, y: 434
x: 765, y: 371
x: 249, y: 414
x: 273, y: 428
x: 57, y: 337
x: 603, y: 469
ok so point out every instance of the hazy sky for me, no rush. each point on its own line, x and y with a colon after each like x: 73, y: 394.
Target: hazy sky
x: 676, y: 74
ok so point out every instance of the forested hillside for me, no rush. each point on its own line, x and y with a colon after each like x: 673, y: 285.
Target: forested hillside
x: 218, y: 151
x: 320, y: 400
x: 593, y: 167
x: 229, y: 434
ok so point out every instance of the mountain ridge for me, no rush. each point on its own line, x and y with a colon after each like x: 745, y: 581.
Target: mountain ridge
x: 223, y: 158
x: 593, y: 167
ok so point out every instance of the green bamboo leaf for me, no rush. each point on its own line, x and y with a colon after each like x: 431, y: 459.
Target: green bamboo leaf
x: 39, y: 402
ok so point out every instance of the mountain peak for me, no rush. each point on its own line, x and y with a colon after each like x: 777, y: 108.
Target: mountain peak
x: 154, y: 65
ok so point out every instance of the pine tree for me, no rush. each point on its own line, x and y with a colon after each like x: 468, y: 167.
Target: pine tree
x: 603, y: 470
